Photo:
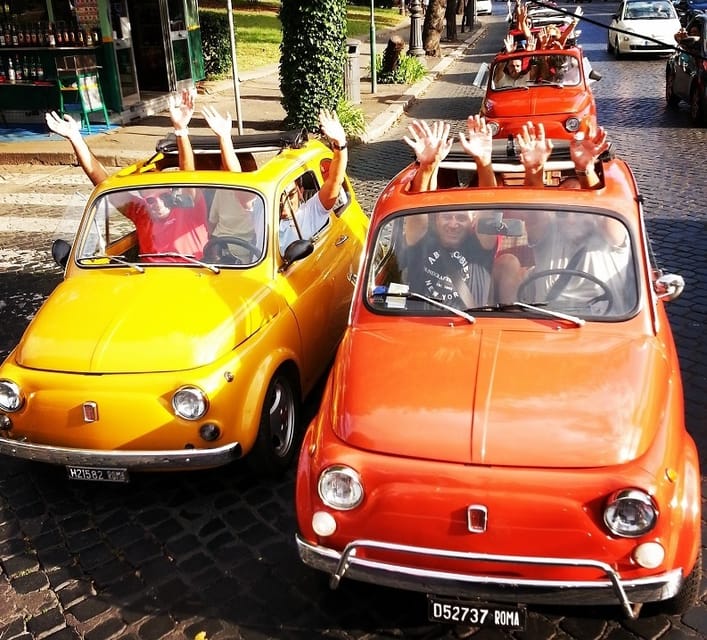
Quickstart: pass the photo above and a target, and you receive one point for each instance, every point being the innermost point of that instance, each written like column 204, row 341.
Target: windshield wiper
column 403, row 291
column 190, row 259
column 118, row 259
column 548, row 312
column 529, row 307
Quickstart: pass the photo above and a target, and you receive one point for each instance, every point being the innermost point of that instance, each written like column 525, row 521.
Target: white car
column 643, row 26
column 483, row 7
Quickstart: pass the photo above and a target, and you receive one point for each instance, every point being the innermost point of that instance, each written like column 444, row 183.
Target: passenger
column 446, row 257
column 300, row 218
column 165, row 222
column 590, row 243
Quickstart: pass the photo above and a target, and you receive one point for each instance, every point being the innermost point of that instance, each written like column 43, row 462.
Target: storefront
column 126, row 55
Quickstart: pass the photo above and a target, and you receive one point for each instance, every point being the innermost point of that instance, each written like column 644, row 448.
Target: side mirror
column 594, row 75
column 480, row 78
column 297, row 250
column 60, row 252
column 668, row 286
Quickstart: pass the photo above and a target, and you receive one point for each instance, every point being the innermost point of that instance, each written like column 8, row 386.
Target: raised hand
column 478, row 141
column 331, row 127
column 431, row 144
column 182, row 112
column 65, row 126
column 220, row 125
column 509, row 43
column 534, row 150
column 586, row 149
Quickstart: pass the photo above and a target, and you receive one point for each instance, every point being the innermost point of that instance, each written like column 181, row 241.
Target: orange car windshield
column 563, row 261
column 541, row 69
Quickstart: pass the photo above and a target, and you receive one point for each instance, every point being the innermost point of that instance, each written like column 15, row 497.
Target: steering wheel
column 217, row 249
column 605, row 295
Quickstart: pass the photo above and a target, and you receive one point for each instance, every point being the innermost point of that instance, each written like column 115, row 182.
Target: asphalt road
column 170, row 555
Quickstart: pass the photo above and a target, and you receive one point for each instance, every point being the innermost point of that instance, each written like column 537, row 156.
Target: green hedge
column 215, row 43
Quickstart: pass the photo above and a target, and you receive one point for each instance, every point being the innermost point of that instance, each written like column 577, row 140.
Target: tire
column 697, row 110
column 276, row 442
column 670, row 96
column 609, row 46
column 617, row 51
column 689, row 592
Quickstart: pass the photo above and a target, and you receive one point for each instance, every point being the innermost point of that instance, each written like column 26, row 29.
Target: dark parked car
column 686, row 71
column 688, row 9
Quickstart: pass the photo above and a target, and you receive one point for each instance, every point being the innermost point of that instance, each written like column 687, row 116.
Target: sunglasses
column 166, row 198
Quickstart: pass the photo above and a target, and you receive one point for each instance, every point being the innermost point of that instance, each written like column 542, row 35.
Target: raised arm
column 334, row 132
column 222, row 127
column 534, row 149
column 70, row 129
column 431, row 145
column 478, row 143
column 181, row 113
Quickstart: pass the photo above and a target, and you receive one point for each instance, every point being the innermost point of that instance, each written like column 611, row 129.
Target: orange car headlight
column 572, row 124
column 190, row 403
column 630, row 513
column 340, row 488
column 11, row 398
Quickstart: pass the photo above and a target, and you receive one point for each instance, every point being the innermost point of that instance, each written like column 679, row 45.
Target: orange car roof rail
column 505, row 157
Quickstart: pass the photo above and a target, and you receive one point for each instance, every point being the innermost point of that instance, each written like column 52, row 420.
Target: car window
column 573, row 262
column 658, row 10
column 302, row 215
column 174, row 224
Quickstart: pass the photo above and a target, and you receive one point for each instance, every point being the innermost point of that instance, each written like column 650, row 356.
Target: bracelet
column 337, row 146
column 181, row 132
column 583, row 172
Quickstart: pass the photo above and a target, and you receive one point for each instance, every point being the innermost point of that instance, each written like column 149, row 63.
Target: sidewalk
column 260, row 109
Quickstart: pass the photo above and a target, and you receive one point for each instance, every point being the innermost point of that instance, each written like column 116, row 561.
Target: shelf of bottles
column 24, row 47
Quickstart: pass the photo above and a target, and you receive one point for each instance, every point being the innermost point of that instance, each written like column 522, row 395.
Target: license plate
column 97, row 474
column 476, row 614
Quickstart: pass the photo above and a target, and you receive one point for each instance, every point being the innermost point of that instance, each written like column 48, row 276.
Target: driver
column 238, row 214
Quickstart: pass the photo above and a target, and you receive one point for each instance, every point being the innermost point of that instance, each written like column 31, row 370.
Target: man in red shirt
column 166, row 220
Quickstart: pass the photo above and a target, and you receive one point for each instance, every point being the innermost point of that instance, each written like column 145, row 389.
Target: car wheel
column 279, row 422
column 609, row 46
column 689, row 592
column 670, row 96
column 617, row 50
column 697, row 114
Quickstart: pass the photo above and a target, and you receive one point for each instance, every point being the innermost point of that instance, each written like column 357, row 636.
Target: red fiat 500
column 495, row 455
column 548, row 86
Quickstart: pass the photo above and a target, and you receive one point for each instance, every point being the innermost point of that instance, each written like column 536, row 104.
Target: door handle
column 340, row 240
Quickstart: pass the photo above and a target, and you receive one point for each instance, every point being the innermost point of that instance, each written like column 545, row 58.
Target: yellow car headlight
column 190, row 403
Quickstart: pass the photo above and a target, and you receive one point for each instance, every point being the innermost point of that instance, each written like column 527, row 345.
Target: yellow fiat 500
column 196, row 313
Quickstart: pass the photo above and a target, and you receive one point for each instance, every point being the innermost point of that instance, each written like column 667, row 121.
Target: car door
column 318, row 287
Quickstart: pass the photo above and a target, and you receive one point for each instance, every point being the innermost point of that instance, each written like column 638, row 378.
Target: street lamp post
column 373, row 48
column 416, row 29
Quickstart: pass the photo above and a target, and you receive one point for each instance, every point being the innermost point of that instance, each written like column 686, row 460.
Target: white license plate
column 97, row 474
column 476, row 614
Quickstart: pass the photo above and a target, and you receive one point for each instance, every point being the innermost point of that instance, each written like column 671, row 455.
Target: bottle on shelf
column 18, row 70
column 3, row 75
column 2, row 35
column 89, row 38
column 26, row 75
column 15, row 37
column 80, row 37
column 8, row 35
column 33, row 70
column 59, row 35
column 11, row 76
column 40, row 69
column 50, row 39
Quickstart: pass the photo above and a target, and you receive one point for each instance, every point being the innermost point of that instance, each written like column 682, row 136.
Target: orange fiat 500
column 548, row 86
column 495, row 455
column 186, row 350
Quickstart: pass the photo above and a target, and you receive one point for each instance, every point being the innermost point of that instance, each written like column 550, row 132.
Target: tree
column 432, row 26
column 312, row 58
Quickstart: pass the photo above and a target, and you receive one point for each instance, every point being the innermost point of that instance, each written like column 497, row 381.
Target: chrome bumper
column 630, row 594
column 158, row 460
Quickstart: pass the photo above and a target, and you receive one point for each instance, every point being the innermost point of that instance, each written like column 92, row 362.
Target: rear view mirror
column 499, row 226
